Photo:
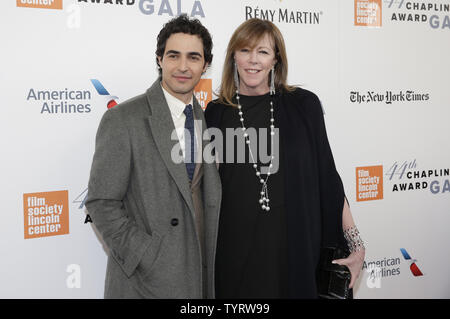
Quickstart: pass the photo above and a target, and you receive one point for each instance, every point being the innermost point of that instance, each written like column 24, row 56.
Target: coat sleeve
column 108, row 184
column 331, row 188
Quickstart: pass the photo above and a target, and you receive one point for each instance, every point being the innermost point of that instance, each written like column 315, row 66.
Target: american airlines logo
column 109, row 99
column 412, row 263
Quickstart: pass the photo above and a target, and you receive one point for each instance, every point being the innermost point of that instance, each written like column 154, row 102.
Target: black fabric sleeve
column 331, row 188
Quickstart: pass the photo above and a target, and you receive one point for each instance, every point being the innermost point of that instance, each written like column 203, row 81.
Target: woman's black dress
column 258, row 269
column 275, row 254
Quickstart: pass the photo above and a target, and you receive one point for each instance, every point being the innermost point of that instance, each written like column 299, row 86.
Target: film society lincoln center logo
column 46, row 214
column 369, row 183
column 368, row 13
column 41, row 4
column 203, row 92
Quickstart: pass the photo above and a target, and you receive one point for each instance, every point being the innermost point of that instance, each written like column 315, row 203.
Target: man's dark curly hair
column 182, row 24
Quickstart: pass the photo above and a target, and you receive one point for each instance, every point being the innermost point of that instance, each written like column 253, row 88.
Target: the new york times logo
column 388, row 97
column 436, row 15
column 162, row 7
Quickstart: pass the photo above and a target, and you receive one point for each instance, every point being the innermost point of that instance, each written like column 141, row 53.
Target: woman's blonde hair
column 248, row 34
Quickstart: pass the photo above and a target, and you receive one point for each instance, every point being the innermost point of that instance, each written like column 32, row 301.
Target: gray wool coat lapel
column 162, row 126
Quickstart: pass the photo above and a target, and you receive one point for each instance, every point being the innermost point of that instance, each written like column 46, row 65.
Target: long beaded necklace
column 264, row 194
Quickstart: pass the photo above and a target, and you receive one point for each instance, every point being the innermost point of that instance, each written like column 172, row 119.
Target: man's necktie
column 189, row 150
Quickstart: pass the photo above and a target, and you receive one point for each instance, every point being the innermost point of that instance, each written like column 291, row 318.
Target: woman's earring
column 236, row 77
column 272, row 80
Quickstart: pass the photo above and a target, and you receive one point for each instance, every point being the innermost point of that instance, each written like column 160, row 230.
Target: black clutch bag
column 333, row 280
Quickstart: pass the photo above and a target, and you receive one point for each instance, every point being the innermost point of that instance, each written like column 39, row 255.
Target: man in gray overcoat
column 157, row 214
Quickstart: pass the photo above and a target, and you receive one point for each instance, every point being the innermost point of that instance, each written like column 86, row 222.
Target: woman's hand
column 354, row 262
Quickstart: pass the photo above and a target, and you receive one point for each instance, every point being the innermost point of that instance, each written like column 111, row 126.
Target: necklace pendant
column 264, row 199
column 264, row 202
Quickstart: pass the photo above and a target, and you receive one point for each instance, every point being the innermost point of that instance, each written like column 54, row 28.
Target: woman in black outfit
column 282, row 198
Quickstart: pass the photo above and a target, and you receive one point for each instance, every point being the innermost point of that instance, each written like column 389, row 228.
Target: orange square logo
column 46, row 214
column 42, row 4
column 369, row 183
column 203, row 92
column 368, row 13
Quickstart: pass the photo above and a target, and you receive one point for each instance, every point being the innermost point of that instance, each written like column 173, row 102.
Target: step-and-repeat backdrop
column 380, row 67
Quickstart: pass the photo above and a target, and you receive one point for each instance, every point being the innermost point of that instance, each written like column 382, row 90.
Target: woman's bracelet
column 354, row 241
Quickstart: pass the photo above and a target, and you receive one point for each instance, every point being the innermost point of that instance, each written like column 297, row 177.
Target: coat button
column 174, row 221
